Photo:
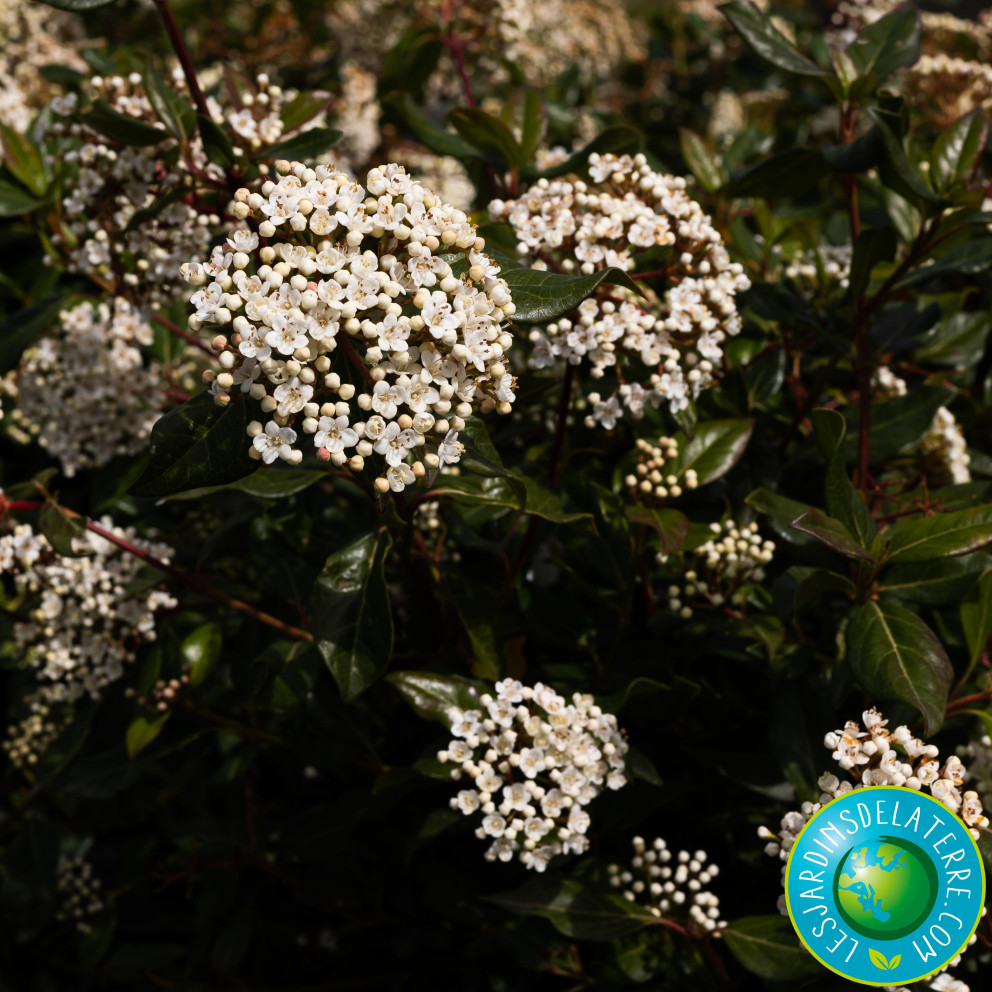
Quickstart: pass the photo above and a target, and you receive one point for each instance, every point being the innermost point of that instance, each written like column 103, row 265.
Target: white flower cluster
column 79, row 892
column 878, row 756
column 32, row 735
column 324, row 318
column 943, row 452
column 670, row 883
column 86, row 392
column 673, row 342
column 536, row 761
column 649, row 484
column 722, row 568
column 83, row 625
column 356, row 116
column 945, row 88
column 30, row 37
column 99, row 233
column 819, row 268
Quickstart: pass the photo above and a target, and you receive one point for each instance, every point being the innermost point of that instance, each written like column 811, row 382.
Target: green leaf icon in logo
column 894, row 963
column 879, row 960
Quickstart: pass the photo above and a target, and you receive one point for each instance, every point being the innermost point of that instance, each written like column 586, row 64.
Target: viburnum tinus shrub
column 454, row 567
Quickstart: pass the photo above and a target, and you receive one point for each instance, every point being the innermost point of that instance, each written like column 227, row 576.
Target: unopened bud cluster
column 86, row 392
column 722, row 569
column 665, row 348
column 670, row 884
column 878, row 756
column 164, row 694
column 83, row 625
column 430, row 524
column 380, row 298
column 79, row 893
column 653, row 482
column 823, row 267
column 534, row 761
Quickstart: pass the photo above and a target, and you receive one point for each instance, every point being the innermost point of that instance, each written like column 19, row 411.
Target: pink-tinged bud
column 312, row 285
column 219, row 343
column 323, row 454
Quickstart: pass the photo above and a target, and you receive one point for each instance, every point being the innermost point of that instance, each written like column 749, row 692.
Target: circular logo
column 885, row 885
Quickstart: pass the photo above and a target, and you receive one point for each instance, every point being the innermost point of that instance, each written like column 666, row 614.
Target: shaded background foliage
column 286, row 824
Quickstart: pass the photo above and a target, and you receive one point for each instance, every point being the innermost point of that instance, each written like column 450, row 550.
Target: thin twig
column 182, row 53
column 175, row 329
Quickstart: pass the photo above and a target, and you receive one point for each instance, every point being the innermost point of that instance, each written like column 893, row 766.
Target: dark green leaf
column 121, row 128
column 899, row 424
column 23, row 160
column 890, row 43
column 540, row 296
column 143, row 730
column 877, row 244
column 769, row 947
column 700, row 161
column 216, row 142
column 844, row 502
column 957, row 149
column 968, row 259
column 781, row 511
column 436, row 138
column 197, row 444
column 957, row 341
column 431, row 695
column 831, row 532
column 766, row 40
column 788, row 173
column 200, row 652
column 813, row 587
column 307, row 146
column 60, row 529
column 895, row 655
column 266, row 483
column 302, row 108
column 933, row 583
column 976, row 617
column 899, row 174
column 489, row 136
column 175, row 111
column 941, row 535
column 574, row 909
column 15, row 201
column 351, row 615
column 534, row 124
column 671, row 526
column 20, row 331
column 715, row 448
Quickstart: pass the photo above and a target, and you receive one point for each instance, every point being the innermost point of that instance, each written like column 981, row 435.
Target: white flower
column 450, row 450
column 334, row 434
column 275, row 442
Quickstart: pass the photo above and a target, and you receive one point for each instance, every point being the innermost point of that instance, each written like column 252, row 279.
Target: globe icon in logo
column 885, row 887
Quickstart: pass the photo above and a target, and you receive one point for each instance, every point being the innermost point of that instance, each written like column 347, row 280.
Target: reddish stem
column 192, row 581
column 180, row 333
column 182, row 53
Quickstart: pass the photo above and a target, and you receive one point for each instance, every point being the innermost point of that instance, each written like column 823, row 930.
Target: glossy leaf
column 491, row 139
column 671, row 526
column 534, row 123
column 575, row 909
column 307, row 146
column 23, row 160
column 967, row 259
column 540, row 296
column 957, row 150
column 976, row 618
column 436, row 138
column 899, row 424
column 769, row 947
column 15, row 201
column 302, row 108
column 895, row 655
column 200, row 652
column 700, row 161
column 216, row 142
column 197, row 444
column 781, row 511
column 941, row 535
column 890, row 43
column 830, row 532
column 432, row 695
column 143, row 730
column 757, row 29
column 900, row 174
column 788, row 173
column 175, row 111
column 121, row 128
column 60, row 529
column 715, row 448
column 844, row 502
column 351, row 614
column 933, row 583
